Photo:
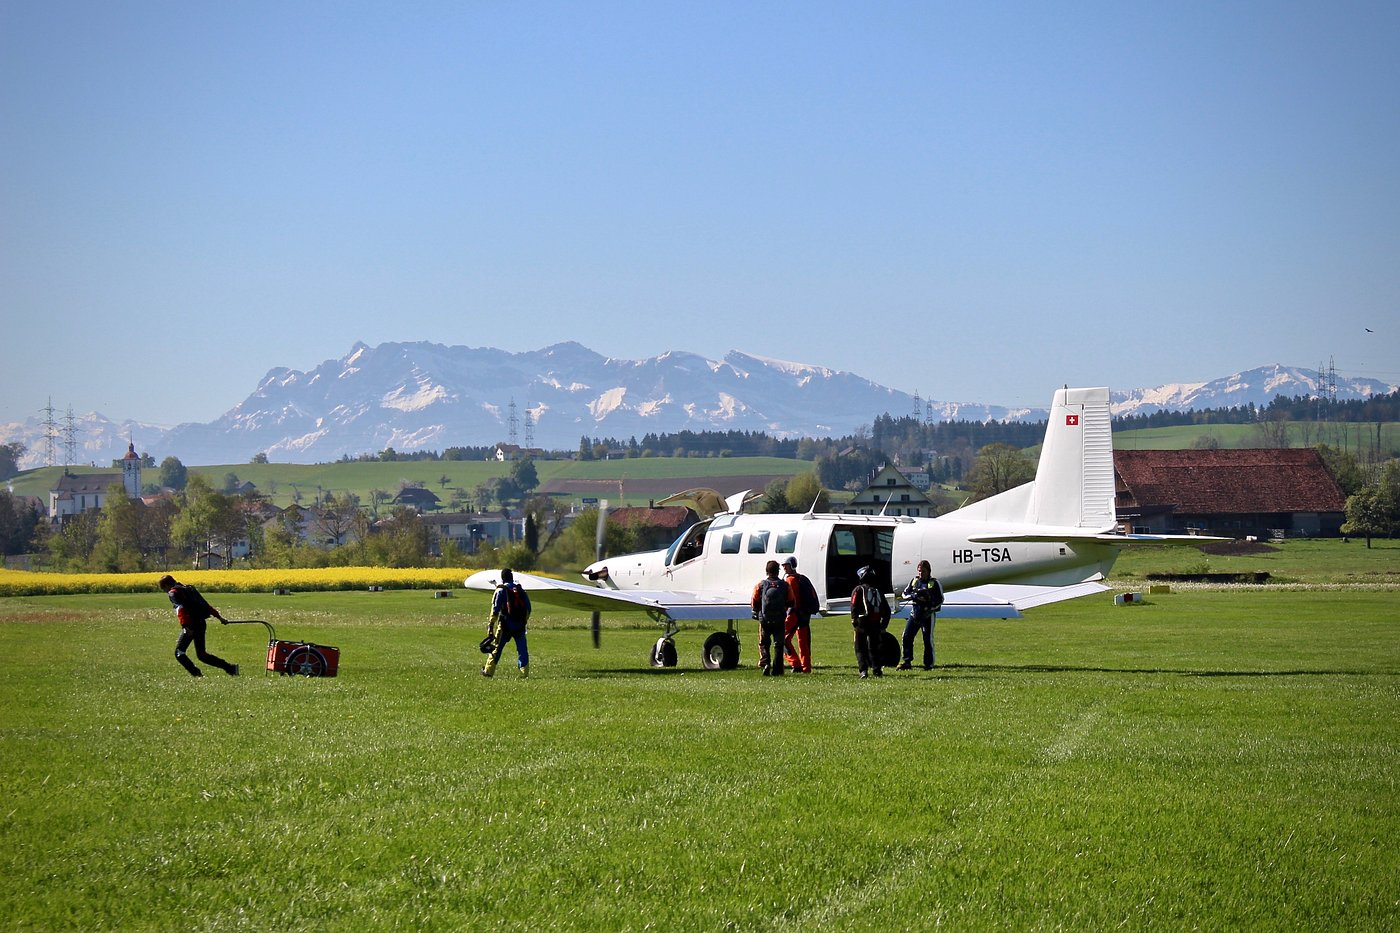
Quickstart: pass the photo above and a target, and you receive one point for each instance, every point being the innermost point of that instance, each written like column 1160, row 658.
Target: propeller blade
column 597, row 624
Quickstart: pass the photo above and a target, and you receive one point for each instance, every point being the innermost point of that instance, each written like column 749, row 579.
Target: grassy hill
column 1347, row 436
column 640, row 478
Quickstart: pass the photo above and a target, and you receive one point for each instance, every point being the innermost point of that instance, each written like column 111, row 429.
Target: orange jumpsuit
column 799, row 623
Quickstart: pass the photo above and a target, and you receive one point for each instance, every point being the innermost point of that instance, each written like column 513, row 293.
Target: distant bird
column 1368, row 330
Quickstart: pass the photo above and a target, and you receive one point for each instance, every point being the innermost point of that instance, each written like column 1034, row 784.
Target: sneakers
column 864, row 675
column 904, row 666
column 525, row 671
column 879, row 672
column 233, row 672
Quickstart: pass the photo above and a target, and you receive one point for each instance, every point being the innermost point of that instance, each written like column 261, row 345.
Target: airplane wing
column 1004, row 600
column 659, row 604
column 989, row 601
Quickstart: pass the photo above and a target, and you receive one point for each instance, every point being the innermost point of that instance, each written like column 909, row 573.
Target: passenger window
column 729, row 544
column 845, row 542
column 758, row 542
column 787, row 542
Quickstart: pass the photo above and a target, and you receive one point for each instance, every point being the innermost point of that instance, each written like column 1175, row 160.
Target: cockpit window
column 729, row 544
column 758, row 542
column 787, row 542
column 688, row 546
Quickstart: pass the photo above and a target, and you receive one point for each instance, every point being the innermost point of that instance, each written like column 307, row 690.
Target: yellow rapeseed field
column 24, row 583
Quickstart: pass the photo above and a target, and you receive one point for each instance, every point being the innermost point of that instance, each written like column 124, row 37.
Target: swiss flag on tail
column 1072, row 420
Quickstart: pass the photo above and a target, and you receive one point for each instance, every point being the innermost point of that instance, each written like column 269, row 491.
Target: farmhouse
column 417, row 497
column 890, row 493
column 1264, row 492
column 506, row 452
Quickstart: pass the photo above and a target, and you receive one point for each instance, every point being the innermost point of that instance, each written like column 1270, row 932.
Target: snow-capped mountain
column 414, row 396
column 97, row 440
column 1258, row 386
column 422, row 395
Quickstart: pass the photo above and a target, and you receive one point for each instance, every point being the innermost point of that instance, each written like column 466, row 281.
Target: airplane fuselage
column 727, row 555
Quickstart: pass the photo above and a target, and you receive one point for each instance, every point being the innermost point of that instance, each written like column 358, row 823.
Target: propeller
column 598, row 555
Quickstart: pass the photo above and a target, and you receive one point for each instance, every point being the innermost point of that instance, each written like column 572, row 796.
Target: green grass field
column 1210, row 759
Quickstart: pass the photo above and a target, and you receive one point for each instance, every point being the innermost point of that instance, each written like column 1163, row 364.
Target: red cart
column 296, row 657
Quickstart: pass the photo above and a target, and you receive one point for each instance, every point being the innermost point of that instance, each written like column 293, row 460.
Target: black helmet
column 865, row 573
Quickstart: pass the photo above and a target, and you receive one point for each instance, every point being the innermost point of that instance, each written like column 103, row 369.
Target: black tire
column 889, row 650
column 721, row 652
column 663, row 653
column 306, row 662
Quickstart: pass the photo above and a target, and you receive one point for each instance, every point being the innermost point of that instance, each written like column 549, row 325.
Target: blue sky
column 978, row 202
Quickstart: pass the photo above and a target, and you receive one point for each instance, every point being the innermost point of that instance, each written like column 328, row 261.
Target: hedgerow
column 24, row 583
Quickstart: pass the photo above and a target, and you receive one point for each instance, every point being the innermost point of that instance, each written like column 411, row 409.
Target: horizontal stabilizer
column 1071, row 537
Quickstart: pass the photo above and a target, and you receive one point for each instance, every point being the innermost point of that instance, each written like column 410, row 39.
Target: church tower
column 131, row 471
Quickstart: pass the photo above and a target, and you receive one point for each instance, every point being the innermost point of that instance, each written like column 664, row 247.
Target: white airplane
column 1051, row 539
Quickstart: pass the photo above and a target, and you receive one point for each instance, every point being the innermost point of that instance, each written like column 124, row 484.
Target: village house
column 890, row 493
column 506, row 452
column 1271, row 492
column 418, row 497
column 471, row 531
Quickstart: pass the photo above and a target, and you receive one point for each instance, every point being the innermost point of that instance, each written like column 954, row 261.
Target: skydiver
column 193, row 611
column 927, row 596
column 870, row 615
column 804, row 603
column 770, row 608
column 510, row 610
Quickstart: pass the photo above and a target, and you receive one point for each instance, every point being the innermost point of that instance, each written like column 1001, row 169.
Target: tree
column 72, row 546
column 585, row 448
column 10, row 455
column 804, row 491
column 774, row 498
column 118, row 545
column 524, row 477
column 999, row 467
column 336, row 518
column 1343, row 466
column 231, row 483
column 259, row 458
column 1374, row 511
column 173, row 474
column 17, row 524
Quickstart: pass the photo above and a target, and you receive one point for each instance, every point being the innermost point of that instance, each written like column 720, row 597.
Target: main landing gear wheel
column 306, row 662
column 663, row 653
column 889, row 650
column 721, row 652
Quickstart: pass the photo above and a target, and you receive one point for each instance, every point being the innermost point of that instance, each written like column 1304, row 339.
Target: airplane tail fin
column 1074, row 480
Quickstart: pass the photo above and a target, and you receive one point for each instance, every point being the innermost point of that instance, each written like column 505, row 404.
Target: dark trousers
column 912, row 628
column 522, row 651
column 770, row 646
column 194, row 632
column 868, row 648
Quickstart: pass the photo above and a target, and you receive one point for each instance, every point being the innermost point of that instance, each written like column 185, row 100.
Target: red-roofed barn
column 1228, row 492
